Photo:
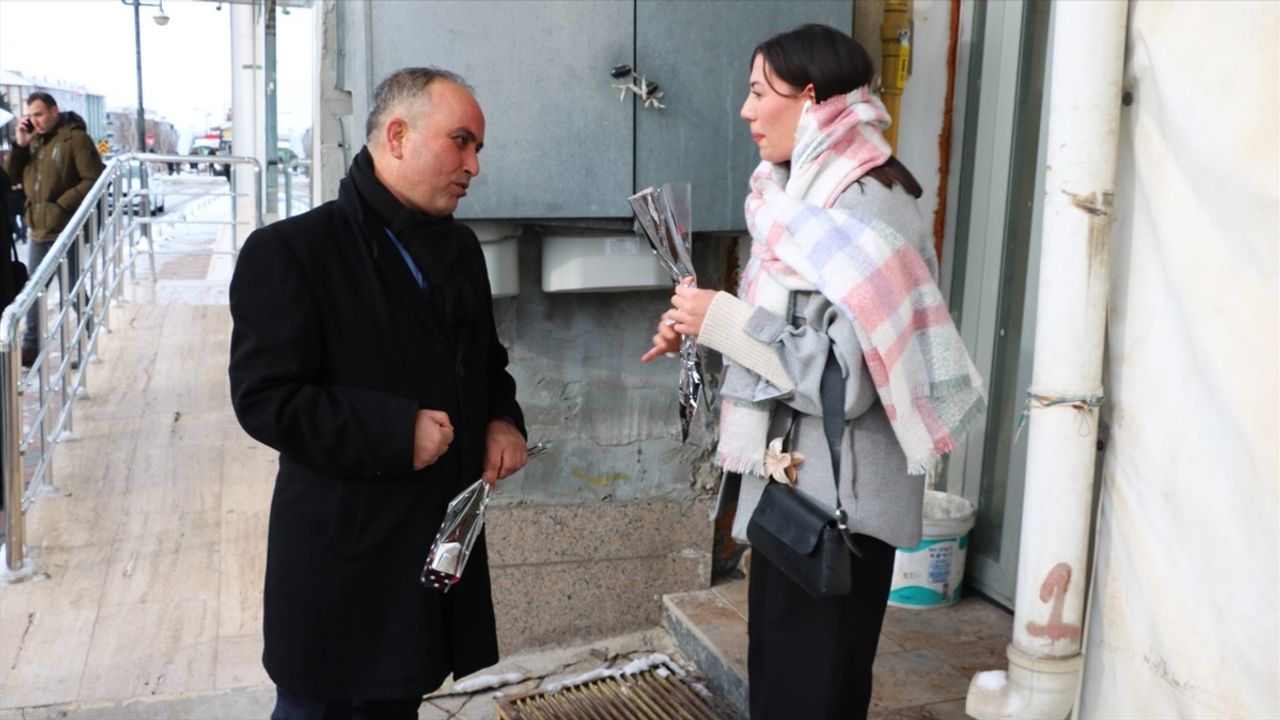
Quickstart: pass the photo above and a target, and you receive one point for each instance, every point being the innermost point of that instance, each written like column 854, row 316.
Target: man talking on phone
column 58, row 164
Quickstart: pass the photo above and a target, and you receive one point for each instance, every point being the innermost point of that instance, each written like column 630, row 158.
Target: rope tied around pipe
column 1081, row 403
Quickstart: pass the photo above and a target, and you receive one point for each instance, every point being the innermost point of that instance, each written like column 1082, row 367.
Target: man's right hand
column 22, row 136
column 432, row 433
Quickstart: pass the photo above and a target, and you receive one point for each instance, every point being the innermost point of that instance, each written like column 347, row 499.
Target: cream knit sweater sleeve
column 724, row 330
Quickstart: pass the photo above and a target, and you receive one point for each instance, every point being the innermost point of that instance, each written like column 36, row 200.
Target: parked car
column 130, row 189
column 206, row 147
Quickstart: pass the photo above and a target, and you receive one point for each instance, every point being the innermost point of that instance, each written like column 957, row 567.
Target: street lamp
column 161, row 20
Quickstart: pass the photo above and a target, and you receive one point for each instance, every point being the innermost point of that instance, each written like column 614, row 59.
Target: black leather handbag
column 18, row 268
column 803, row 539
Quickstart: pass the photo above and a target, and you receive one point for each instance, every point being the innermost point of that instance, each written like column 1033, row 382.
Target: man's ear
column 394, row 135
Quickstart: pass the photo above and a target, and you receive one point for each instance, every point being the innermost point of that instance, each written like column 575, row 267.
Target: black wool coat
column 333, row 351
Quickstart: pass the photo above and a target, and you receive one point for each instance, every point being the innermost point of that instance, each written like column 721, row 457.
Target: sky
column 186, row 64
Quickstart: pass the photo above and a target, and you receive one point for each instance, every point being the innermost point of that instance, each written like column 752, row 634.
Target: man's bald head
column 401, row 88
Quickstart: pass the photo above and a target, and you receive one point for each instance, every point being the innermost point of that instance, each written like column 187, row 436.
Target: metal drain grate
column 659, row 693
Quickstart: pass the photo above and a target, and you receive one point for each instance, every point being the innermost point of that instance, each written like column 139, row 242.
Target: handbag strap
column 831, row 395
column 831, row 391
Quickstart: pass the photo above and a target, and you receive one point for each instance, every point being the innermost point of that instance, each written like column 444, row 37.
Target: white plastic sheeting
column 1183, row 618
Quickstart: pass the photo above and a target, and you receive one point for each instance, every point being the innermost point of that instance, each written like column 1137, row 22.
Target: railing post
column 258, row 195
column 42, row 372
column 65, row 295
column 235, row 204
column 124, row 238
column 288, row 191
column 97, row 269
column 145, row 219
column 82, row 286
column 144, row 204
column 17, row 567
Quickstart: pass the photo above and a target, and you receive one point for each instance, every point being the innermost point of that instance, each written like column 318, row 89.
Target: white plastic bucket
column 929, row 575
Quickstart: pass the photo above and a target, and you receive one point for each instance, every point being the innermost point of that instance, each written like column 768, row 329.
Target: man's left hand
column 504, row 451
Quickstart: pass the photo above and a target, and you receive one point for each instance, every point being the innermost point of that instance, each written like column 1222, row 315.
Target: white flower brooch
column 781, row 466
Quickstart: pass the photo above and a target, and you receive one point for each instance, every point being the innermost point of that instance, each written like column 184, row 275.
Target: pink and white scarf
column 926, row 381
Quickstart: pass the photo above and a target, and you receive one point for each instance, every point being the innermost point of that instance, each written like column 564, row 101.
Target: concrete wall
column 587, row 538
column 566, row 573
column 329, row 150
column 575, row 357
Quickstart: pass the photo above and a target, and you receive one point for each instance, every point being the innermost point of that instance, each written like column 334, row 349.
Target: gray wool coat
column 881, row 499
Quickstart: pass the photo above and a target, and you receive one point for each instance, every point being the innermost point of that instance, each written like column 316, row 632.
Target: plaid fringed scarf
column 927, row 384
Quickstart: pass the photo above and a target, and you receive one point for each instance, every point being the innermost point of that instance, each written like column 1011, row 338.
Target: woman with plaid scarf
column 842, row 270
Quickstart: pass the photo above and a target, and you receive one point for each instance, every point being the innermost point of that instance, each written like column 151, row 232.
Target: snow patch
column 639, row 665
column 991, row 680
column 658, row 662
column 597, row 674
column 486, row 682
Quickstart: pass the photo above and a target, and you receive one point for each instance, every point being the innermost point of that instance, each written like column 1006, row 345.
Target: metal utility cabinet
column 559, row 144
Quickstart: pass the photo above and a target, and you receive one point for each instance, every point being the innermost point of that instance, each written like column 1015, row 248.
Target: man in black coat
column 8, row 289
column 364, row 351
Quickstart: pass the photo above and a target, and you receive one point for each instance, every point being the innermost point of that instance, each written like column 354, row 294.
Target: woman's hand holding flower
column 688, row 309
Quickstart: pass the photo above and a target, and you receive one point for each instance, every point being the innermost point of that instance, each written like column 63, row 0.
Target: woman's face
column 773, row 111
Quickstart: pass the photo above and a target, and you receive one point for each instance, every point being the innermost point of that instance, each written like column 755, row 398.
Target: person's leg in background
column 36, row 252
column 73, row 274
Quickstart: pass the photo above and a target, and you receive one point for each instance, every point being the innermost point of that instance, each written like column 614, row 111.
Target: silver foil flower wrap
column 463, row 520
column 665, row 215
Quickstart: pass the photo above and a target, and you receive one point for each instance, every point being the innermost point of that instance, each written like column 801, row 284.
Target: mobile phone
column 27, row 125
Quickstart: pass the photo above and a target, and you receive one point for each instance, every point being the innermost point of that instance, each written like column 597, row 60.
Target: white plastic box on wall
column 500, row 243
column 588, row 262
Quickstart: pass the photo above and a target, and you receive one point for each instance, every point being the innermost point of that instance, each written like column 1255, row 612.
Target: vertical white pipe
column 1084, row 122
column 260, row 103
column 245, row 126
column 271, row 140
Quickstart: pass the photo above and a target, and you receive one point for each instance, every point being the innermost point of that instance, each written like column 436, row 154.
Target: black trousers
column 810, row 659
column 300, row 707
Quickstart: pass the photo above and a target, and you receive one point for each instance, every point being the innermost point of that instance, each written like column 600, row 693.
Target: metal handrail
column 103, row 242
column 287, row 171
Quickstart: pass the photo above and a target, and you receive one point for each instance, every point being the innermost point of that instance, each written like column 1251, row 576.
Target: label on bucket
column 940, row 563
column 929, row 575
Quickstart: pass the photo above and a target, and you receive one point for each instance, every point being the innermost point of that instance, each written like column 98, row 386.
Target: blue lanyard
column 413, row 267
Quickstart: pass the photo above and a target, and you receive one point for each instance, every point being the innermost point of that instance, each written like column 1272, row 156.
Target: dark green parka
column 57, row 170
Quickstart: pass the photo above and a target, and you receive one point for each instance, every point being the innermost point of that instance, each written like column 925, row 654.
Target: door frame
column 981, row 187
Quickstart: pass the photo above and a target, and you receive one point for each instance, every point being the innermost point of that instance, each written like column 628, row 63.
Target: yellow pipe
column 895, row 48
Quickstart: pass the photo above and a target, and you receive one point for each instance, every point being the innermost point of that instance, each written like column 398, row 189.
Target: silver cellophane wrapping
column 463, row 520
column 664, row 215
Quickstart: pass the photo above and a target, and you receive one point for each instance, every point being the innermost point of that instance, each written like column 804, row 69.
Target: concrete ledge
column 571, row 573
column 710, row 628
